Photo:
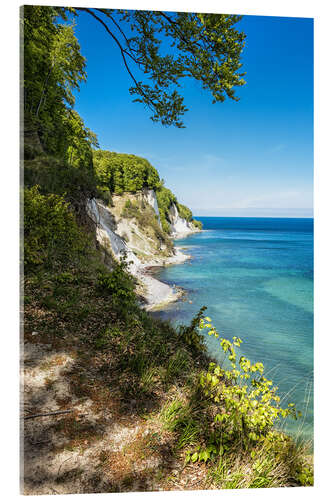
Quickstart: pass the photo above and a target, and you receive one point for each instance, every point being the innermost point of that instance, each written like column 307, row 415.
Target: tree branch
column 105, row 11
column 180, row 34
column 122, row 50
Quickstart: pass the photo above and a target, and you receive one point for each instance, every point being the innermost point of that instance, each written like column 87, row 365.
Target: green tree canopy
column 121, row 172
column 53, row 69
column 159, row 49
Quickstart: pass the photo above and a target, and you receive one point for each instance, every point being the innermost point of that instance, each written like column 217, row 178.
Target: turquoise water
column 255, row 275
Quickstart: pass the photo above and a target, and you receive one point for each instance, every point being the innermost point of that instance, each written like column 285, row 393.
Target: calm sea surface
column 255, row 275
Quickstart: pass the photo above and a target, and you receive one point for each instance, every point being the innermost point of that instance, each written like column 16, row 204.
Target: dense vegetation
column 218, row 419
column 121, row 173
column 118, row 173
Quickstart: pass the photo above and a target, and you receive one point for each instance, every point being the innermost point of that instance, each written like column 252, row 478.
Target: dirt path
column 95, row 448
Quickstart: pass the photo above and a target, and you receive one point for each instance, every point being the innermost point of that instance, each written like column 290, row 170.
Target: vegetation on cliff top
column 118, row 173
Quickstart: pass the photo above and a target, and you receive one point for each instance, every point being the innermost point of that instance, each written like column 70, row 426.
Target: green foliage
column 247, row 406
column 51, row 233
column 191, row 335
column 65, row 278
column 197, row 224
column 54, row 176
column 162, row 48
column 177, row 364
column 165, row 198
column 102, row 341
column 124, row 173
column 119, row 284
column 57, row 145
column 53, row 69
column 173, row 414
column 305, row 476
column 184, row 212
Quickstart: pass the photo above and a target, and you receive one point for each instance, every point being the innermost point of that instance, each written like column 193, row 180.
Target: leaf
column 194, row 457
column 204, row 455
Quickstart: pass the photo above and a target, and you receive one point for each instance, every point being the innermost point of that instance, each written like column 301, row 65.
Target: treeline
column 118, row 173
column 53, row 69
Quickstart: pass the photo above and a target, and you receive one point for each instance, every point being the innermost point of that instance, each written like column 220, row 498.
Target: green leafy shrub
column 246, row 406
column 165, row 198
column 184, row 212
column 75, row 184
column 305, row 476
column 51, row 233
column 102, row 341
column 65, row 278
column 191, row 335
column 197, row 223
column 119, row 284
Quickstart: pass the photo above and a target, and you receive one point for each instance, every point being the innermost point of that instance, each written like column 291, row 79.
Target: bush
column 197, row 224
column 191, row 336
column 75, row 184
column 184, row 212
column 245, row 405
column 121, row 173
column 119, row 284
column 51, row 233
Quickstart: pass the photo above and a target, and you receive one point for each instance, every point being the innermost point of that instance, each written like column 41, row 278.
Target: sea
column 255, row 276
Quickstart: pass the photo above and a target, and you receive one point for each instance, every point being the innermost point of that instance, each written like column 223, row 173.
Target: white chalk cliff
column 180, row 227
column 120, row 235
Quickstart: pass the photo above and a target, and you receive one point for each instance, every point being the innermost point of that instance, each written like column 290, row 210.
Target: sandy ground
column 94, row 448
column 156, row 293
column 52, row 463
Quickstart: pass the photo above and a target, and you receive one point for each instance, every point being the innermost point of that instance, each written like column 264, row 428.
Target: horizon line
column 257, row 216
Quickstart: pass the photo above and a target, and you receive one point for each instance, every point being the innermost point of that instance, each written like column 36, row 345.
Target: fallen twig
column 48, row 414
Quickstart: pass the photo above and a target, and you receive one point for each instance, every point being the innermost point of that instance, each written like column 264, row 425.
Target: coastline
column 155, row 293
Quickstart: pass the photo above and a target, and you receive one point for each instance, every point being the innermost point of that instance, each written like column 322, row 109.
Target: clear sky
column 253, row 157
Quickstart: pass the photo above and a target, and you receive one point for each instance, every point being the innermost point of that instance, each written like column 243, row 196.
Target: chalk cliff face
column 107, row 236
column 137, row 233
column 141, row 239
column 152, row 201
column 180, row 227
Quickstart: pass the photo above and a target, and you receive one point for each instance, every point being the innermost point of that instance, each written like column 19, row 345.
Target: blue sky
column 253, row 157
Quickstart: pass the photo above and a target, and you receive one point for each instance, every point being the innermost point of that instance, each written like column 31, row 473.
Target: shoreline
column 155, row 293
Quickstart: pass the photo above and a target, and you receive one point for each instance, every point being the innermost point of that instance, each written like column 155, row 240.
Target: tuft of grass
column 265, row 467
column 177, row 365
column 189, row 435
column 173, row 414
